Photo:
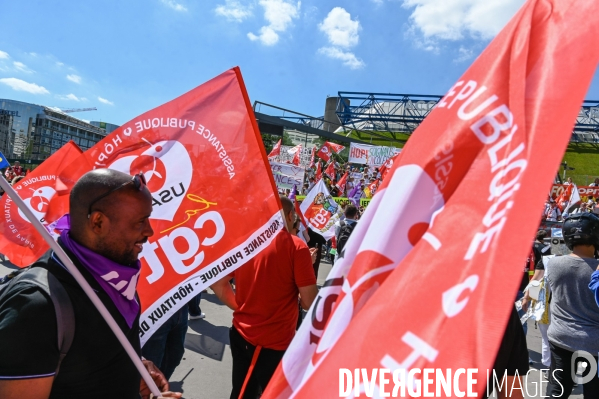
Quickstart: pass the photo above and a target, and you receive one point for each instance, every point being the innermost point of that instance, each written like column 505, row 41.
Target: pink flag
column 420, row 268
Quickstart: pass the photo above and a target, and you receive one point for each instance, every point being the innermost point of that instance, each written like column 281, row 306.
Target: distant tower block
column 331, row 120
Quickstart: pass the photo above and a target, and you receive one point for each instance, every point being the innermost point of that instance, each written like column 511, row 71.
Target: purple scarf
column 118, row 281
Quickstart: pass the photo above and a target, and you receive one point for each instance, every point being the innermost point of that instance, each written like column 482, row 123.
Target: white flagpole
column 68, row 263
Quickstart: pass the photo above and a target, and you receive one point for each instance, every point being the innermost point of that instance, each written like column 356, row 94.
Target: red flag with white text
column 19, row 240
column 407, row 287
column 276, row 150
column 312, row 157
column 296, row 156
column 330, row 171
column 327, row 149
column 341, row 183
column 207, row 170
column 318, row 173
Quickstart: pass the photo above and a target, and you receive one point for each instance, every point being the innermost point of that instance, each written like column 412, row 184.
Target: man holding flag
column 109, row 224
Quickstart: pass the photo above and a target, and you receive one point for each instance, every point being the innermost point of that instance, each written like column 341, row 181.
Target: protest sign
column 207, row 170
column 19, row 240
column 286, row 175
column 481, row 158
column 370, row 155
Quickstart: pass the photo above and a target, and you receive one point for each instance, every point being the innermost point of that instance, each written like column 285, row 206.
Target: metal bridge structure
column 362, row 117
column 403, row 113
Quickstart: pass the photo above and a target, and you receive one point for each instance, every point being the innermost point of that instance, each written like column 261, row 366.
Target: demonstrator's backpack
column 344, row 233
column 53, row 289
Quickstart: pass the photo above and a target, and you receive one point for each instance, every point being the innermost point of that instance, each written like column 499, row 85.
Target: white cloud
column 280, row 15
column 232, row 10
column 341, row 30
column 59, row 64
column 69, row 97
column 21, row 67
column 174, row 5
column 21, row 85
column 464, row 54
column 4, row 55
column 349, row 59
column 105, row 101
column 455, row 19
column 342, row 34
column 74, row 78
column 33, row 54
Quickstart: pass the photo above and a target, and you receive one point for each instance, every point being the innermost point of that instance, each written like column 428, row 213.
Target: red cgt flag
column 330, row 171
column 206, row 168
column 318, row 174
column 327, row 149
column 276, row 150
column 296, row 156
column 19, row 240
column 341, row 184
column 479, row 165
column 312, row 157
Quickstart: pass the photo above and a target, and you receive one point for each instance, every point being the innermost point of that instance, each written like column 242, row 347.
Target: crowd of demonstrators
column 13, row 174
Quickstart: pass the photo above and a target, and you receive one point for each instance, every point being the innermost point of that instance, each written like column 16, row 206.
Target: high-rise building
column 31, row 131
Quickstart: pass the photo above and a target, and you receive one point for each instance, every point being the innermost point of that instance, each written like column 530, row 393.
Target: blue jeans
column 166, row 347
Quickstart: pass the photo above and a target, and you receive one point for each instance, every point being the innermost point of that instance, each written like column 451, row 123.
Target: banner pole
column 68, row 263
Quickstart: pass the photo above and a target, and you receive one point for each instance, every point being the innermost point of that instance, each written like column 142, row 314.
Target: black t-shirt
column 536, row 253
column 96, row 365
column 513, row 352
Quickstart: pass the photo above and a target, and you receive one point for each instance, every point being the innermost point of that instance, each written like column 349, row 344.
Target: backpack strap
column 63, row 307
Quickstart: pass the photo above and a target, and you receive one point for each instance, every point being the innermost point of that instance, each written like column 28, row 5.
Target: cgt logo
column 168, row 171
column 38, row 202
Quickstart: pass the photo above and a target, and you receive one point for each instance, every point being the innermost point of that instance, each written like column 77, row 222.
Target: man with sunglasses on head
column 109, row 223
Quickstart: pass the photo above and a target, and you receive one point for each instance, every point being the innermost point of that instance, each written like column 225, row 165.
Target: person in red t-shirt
column 265, row 306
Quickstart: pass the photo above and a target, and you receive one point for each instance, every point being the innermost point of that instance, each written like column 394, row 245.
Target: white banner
column 370, row 154
column 287, row 175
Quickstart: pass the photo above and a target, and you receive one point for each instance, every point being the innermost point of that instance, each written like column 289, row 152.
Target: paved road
column 205, row 371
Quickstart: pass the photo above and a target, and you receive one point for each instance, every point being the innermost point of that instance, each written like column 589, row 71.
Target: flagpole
column 68, row 263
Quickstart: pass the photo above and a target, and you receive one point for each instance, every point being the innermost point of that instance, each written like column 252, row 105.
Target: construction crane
column 71, row 110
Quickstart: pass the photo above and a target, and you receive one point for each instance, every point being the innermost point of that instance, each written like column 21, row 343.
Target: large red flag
column 420, row 268
column 341, row 184
column 312, row 157
column 19, row 240
column 207, row 170
column 563, row 199
column 297, row 155
column 327, row 149
column 276, row 150
column 318, row 174
column 330, row 171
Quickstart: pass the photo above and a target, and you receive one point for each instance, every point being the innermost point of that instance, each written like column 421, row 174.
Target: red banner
column 19, row 240
column 207, row 170
column 420, row 268
column 584, row 191
column 330, row 171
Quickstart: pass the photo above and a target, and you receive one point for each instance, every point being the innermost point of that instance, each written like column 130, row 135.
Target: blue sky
column 126, row 57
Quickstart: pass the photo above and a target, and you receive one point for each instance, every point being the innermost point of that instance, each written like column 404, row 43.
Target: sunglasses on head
column 138, row 181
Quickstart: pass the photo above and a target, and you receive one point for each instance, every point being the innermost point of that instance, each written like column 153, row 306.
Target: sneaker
column 197, row 317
